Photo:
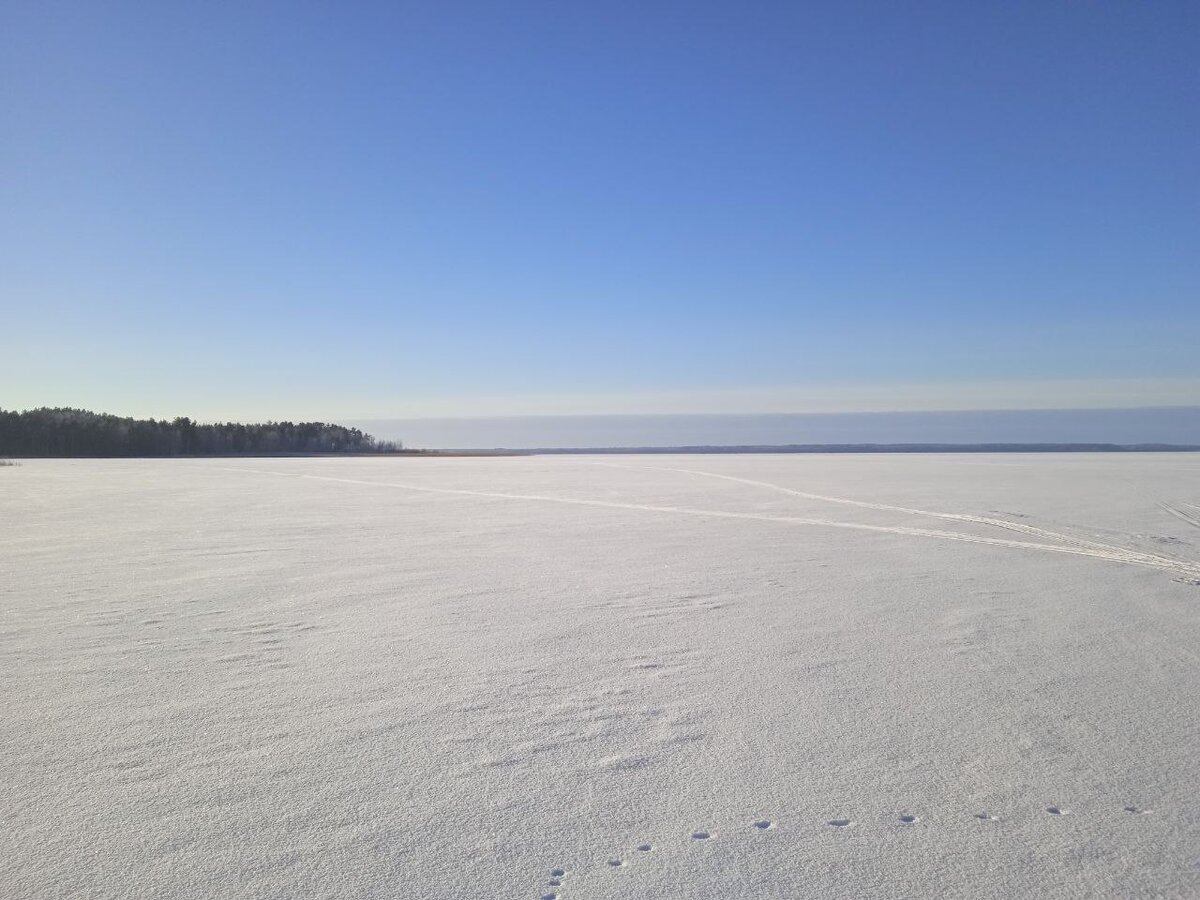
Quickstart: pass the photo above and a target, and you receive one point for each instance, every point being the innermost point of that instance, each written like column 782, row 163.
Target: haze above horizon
column 378, row 210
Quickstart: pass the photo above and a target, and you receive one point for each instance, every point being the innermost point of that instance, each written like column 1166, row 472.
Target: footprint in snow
column 904, row 818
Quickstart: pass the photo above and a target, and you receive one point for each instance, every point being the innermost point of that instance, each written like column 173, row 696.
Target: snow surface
column 684, row 677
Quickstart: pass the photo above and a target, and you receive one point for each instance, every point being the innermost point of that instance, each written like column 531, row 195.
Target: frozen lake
column 786, row 676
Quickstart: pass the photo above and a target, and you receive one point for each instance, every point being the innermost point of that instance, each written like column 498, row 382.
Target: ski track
column 1180, row 514
column 1076, row 548
column 1031, row 530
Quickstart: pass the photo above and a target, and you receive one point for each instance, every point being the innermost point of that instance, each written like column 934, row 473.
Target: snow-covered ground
column 683, row 677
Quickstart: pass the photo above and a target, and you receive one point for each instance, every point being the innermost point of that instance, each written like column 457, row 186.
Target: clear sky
column 354, row 209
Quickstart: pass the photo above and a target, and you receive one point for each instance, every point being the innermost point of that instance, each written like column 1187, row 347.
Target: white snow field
column 656, row 676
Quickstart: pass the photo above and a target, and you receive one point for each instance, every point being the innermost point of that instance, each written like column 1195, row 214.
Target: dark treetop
column 78, row 432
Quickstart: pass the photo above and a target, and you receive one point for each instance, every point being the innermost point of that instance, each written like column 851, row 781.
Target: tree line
column 78, row 432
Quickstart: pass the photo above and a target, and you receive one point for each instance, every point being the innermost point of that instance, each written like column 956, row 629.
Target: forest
column 79, row 432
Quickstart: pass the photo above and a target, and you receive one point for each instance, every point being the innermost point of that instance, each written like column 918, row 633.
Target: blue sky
column 397, row 209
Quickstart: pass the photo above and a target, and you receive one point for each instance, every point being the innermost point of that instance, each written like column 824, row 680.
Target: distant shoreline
column 878, row 448
column 860, row 432
column 378, row 454
column 865, row 449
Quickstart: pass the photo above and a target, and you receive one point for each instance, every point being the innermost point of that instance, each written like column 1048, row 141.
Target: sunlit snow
column 601, row 677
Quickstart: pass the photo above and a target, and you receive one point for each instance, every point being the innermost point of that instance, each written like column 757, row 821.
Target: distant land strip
column 68, row 432
column 879, row 448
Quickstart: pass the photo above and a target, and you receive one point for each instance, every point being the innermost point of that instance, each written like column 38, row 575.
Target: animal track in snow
column 758, row 825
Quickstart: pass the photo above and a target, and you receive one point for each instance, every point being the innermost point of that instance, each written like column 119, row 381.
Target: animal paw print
column 904, row 818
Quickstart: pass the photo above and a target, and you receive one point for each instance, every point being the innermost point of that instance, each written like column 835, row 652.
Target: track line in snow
column 903, row 819
column 1032, row 530
column 1100, row 551
column 1180, row 514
